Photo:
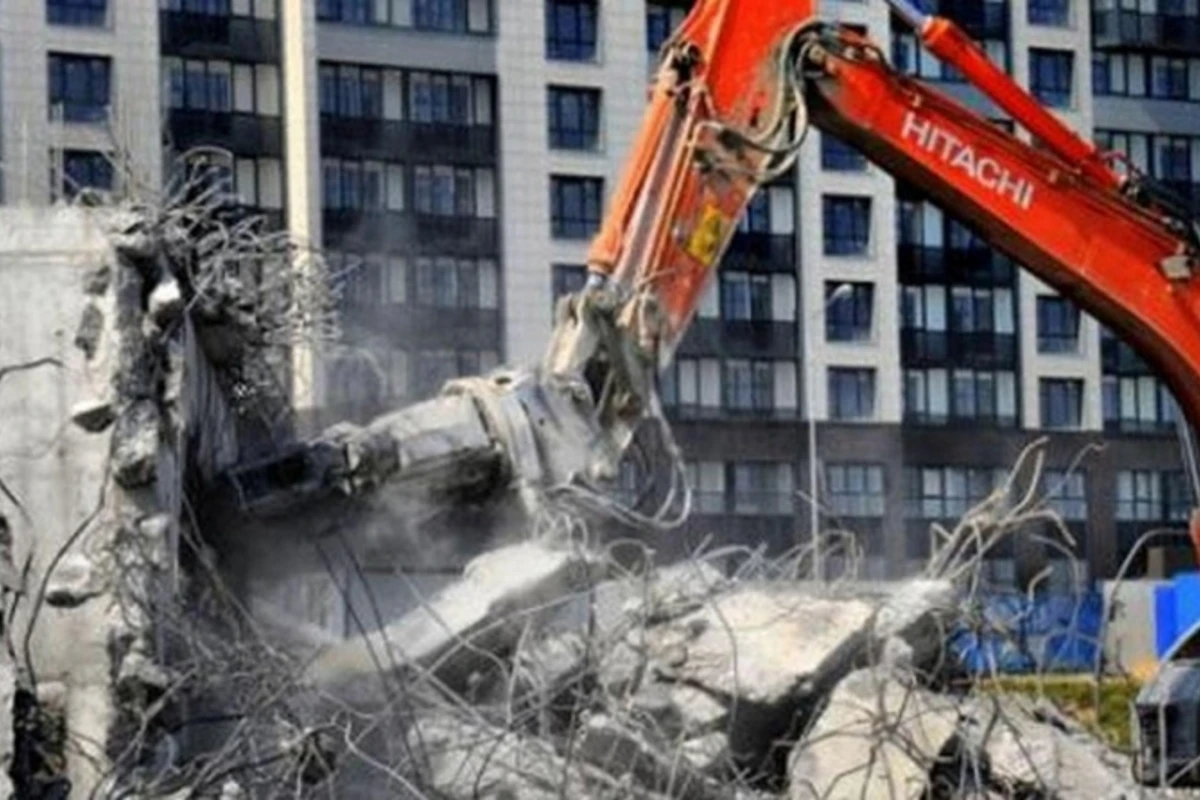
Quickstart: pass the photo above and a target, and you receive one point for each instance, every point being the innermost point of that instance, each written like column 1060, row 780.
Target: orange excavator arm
column 741, row 80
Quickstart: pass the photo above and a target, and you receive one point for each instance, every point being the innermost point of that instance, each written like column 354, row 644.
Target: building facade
column 453, row 157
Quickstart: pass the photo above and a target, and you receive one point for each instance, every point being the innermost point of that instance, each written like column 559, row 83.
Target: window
column 571, row 30
column 447, row 282
column 1061, row 403
column 757, row 216
column 1056, row 13
column 848, row 311
column 661, row 21
column 356, row 12
column 937, row 396
column 749, row 385
column 85, row 169
column 1066, row 494
column 1138, row 403
column 1058, row 325
column 1169, row 78
column 1138, row 75
column 79, row 87
column 745, row 296
column 356, row 185
column 1168, row 158
column 449, row 98
column 948, row 493
column 575, row 206
column 91, row 13
column 574, row 116
column 847, row 223
column 837, row 156
column 1179, row 500
column 761, row 488
column 855, row 490
column 443, row 190
column 351, row 91
column 449, row 16
column 567, row 279
column 435, row 367
column 1139, row 496
column 199, row 85
column 851, row 394
column 1051, row 76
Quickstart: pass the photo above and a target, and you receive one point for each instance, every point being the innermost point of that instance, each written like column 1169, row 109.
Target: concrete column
column 298, row 30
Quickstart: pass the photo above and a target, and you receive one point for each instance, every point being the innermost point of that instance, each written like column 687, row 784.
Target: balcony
column 745, row 338
column 977, row 350
column 242, row 134
column 761, row 252
column 407, row 232
column 193, row 35
column 349, row 137
column 968, row 266
column 1145, row 31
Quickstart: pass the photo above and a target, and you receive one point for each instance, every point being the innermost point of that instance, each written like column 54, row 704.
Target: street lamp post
column 809, row 406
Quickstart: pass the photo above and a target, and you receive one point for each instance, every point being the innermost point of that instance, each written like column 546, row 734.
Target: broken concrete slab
column 878, row 738
column 763, row 650
column 462, row 628
column 761, row 643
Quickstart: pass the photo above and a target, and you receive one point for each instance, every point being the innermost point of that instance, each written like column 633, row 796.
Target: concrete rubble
column 546, row 670
column 683, row 683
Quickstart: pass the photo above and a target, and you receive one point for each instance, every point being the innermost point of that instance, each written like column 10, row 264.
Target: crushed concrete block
column 769, row 649
column 878, row 738
column 97, row 280
column 91, row 328
column 709, row 753
column 166, row 302
column 93, row 416
column 75, row 580
column 699, row 711
column 621, row 750
column 470, row 760
column 458, row 630
column 917, row 615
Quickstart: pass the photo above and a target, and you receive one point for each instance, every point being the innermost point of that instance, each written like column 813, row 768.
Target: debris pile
column 546, row 672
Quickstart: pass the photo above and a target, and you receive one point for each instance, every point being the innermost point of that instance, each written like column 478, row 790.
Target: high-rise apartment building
column 453, row 157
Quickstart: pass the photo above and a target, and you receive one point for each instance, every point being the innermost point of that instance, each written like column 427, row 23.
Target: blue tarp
column 1059, row 632
column 1176, row 610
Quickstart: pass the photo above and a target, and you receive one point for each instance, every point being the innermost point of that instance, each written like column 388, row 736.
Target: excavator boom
column 738, row 87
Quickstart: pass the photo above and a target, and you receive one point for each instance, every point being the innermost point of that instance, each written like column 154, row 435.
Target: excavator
column 739, row 85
